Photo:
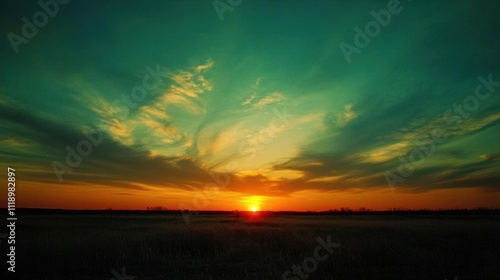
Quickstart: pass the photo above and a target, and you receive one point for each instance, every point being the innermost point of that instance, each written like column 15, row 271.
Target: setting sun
column 252, row 203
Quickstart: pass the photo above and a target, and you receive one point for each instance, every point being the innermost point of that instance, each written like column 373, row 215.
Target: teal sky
column 266, row 95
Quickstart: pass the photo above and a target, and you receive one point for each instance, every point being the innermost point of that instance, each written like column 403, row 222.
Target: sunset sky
column 259, row 109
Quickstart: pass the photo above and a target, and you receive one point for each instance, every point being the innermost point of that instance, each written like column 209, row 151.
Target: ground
column 256, row 246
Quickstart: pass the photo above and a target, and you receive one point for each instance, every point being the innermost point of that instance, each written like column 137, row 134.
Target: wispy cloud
column 253, row 95
column 270, row 99
column 205, row 66
column 250, row 99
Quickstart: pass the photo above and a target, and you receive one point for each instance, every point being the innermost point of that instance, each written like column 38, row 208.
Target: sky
column 274, row 105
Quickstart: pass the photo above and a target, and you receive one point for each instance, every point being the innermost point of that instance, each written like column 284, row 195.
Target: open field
column 162, row 246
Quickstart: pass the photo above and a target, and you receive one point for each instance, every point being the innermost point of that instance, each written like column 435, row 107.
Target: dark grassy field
column 162, row 246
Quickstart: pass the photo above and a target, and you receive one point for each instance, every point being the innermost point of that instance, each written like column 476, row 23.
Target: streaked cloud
column 270, row 99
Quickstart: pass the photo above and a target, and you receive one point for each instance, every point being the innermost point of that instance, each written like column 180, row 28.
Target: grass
column 220, row 247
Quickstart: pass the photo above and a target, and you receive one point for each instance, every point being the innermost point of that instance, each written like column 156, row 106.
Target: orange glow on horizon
column 93, row 197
